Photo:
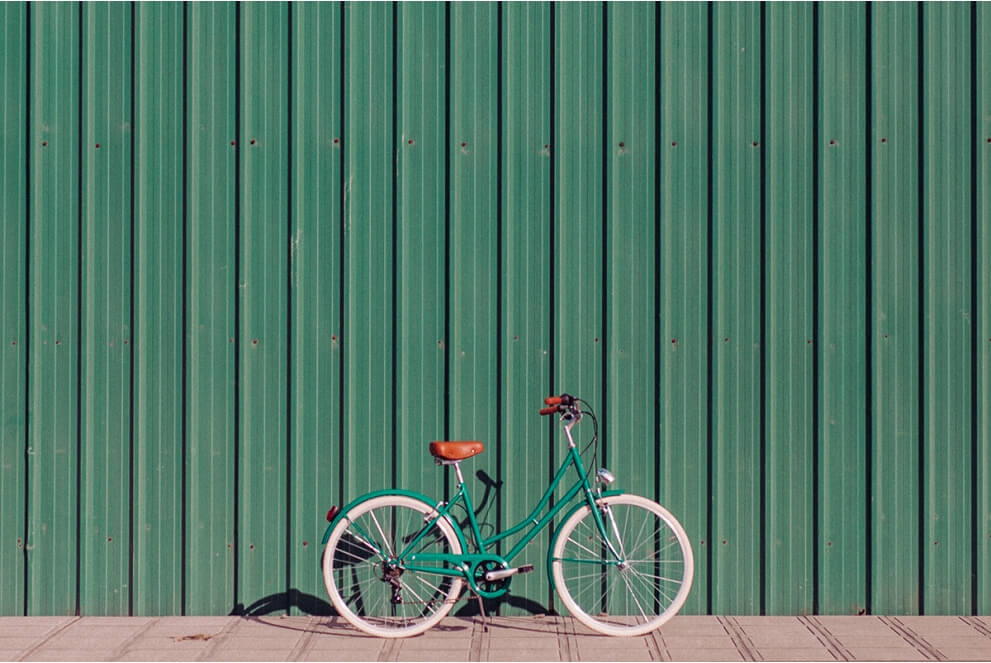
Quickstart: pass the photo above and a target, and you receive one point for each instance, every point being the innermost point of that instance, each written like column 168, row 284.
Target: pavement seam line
column 390, row 650
column 826, row 637
column 919, row 643
column 977, row 625
column 477, row 644
column 218, row 639
column 119, row 652
column 47, row 637
column 571, row 626
column 567, row 649
column 740, row 639
column 659, row 652
column 303, row 644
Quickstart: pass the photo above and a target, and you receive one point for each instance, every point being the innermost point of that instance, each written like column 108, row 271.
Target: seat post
column 457, row 470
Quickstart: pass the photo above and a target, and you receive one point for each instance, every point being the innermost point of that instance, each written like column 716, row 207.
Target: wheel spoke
column 385, row 539
column 650, row 540
column 633, row 594
column 654, row 560
column 585, row 575
column 365, row 543
column 588, row 550
column 649, row 589
column 651, row 575
column 615, row 529
column 361, row 561
column 410, row 589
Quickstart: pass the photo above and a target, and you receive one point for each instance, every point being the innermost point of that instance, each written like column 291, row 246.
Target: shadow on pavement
column 283, row 601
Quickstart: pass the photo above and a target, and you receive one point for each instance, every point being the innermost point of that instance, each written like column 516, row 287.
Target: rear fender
column 434, row 504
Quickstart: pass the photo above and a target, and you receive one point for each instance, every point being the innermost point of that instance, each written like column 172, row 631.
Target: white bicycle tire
column 561, row 583
column 341, row 605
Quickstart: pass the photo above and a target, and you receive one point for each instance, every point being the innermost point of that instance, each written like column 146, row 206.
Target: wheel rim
column 639, row 587
column 370, row 587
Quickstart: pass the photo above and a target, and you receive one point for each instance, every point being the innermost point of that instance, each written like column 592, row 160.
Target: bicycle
column 395, row 561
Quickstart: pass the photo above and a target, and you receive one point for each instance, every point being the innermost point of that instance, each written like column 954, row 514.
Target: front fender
column 557, row 532
column 394, row 491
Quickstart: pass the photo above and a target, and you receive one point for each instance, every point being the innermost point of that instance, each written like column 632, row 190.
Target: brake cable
column 587, row 409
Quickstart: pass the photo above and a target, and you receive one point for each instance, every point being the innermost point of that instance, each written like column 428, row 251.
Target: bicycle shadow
column 283, row 602
column 493, row 607
column 484, row 507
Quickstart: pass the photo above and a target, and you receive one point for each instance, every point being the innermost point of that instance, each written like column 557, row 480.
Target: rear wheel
column 631, row 581
column 371, row 589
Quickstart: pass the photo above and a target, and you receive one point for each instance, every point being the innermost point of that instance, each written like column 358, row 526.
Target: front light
column 605, row 476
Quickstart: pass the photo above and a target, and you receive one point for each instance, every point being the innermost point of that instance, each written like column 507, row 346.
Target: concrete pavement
column 506, row 639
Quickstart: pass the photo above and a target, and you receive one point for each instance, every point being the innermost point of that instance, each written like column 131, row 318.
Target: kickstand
column 481, row 611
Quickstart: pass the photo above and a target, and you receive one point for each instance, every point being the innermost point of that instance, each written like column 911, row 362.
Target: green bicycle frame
column 422, row 562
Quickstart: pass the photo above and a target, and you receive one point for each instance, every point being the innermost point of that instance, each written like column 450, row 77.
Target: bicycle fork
column 598, row 511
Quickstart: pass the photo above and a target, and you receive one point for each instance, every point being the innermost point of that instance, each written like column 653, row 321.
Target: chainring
column 489, row 589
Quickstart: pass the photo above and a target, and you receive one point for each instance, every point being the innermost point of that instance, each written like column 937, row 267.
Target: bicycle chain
column 393, row 578
column 404, row 602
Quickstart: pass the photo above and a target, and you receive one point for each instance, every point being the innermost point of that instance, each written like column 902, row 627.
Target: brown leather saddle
column 452, row 452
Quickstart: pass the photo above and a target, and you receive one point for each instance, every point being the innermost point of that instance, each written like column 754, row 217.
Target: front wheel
column 370, row 585
column 633, row 580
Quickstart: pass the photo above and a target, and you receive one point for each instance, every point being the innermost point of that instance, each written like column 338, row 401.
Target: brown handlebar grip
column 548, row 410
column 552, row 400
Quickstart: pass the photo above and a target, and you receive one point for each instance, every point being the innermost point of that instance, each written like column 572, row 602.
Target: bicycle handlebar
column 557, row 404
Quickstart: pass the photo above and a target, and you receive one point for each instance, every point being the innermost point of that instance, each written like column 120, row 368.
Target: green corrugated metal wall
column 255, row 257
